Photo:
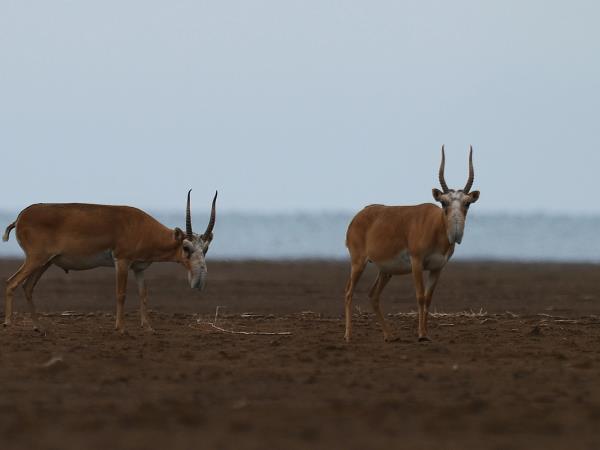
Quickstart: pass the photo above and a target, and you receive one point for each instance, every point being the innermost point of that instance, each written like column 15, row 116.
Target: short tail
column 8, row 230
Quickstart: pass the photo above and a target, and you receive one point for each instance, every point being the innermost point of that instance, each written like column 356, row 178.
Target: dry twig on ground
column 258, row 333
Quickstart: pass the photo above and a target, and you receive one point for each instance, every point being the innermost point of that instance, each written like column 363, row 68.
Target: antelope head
column 455, row 203
column 195, row 246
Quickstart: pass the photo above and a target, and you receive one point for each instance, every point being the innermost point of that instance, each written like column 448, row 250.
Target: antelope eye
column 188, row 249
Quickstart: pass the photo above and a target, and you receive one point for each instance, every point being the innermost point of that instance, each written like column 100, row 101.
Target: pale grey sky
column 293, row 105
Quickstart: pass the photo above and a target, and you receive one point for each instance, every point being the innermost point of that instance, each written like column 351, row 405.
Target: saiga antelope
column 408, row 239
column 77, row 236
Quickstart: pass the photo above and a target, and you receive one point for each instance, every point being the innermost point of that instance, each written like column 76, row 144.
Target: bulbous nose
column 199, row 281
column 456, row 227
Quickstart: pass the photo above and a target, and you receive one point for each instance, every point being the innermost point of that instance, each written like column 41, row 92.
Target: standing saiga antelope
column 78, row 236
column 408, row 239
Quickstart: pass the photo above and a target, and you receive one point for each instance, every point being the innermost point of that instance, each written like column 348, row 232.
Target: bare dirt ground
column 519, row 369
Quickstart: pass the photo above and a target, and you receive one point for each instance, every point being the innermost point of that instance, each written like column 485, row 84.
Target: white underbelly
column 401, row 264
column 80, row 262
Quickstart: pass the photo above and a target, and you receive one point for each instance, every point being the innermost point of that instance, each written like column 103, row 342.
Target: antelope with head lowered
column 408, row 239
column 78, row 236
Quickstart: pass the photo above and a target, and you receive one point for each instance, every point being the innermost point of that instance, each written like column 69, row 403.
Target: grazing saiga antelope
column 408, row 239
column 78, row 236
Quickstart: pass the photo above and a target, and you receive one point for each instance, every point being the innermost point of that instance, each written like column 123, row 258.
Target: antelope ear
column 437, row 194
column 474, row 196
column 178, row 235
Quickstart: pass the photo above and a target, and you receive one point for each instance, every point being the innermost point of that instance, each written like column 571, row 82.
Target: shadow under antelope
column 408, row 239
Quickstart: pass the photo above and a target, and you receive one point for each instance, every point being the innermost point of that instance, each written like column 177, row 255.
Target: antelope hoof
column 145, row 324
column 424, row 339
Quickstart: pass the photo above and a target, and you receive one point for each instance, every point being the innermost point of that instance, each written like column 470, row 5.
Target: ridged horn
column 213, row 215
column 442, row 167
column 469, row 184
column 188, row 219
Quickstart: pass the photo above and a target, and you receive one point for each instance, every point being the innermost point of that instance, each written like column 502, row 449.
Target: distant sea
column 501, row 237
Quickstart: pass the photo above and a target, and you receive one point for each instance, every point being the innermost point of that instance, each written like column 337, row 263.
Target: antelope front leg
column 122, row 269
column 417, row 271
column 432, row 281
column 143, row 294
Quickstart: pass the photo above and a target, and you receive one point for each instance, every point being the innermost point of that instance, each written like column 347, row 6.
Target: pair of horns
column 469, row 184
column 188, row 218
